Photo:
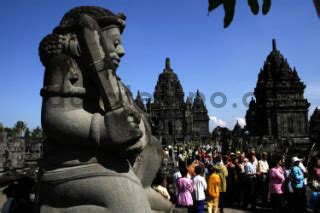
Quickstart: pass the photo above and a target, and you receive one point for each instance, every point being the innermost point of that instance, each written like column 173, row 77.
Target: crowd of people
column 204, row 176
column 20, row 196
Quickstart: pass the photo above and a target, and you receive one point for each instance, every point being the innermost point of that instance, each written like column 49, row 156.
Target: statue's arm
column 64, row 118
column 68, row 115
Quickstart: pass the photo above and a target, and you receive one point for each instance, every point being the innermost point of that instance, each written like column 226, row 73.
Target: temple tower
column 314, row 128
column 280, row 110
column 175, row 120
column 200, row 118
column 139, row 102
column 189, row 117
column 168, row 109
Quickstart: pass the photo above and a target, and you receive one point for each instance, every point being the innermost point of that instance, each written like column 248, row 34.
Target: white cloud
column 241, row 121
column 214, row 122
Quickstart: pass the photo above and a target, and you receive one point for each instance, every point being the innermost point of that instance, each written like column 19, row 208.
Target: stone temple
column 314, row 129
column 174, row 119
column 278, row 117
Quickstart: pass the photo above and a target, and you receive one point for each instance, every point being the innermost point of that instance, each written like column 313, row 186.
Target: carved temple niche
column 178, row 127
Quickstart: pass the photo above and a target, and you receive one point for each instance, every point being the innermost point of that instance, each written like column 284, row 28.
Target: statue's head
column 104, row 17
column 112, row 25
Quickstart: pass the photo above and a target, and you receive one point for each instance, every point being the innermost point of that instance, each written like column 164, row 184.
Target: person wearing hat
column 297, row 181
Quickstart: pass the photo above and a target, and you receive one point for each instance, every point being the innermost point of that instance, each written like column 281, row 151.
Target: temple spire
column 139, row 102
column 274, row 45
column 138, row 95
column 168, row 66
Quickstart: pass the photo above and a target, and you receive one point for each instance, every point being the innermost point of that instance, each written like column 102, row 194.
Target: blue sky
column 203, row 54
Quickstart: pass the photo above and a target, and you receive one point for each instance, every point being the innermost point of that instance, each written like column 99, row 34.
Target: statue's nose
column 120, row 51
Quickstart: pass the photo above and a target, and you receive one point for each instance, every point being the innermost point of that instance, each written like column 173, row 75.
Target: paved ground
column 226, row 210
column 231, row 209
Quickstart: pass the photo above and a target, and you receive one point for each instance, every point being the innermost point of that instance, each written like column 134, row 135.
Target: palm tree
column 27, row 133
column 20, row 127
column 1, row 127
column 317, row 6
column 9, row 131
column 37, row 134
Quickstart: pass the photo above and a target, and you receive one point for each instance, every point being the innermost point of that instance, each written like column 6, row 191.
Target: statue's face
column 114, row 44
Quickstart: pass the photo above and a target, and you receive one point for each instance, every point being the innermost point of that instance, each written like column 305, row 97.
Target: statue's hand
column 122, row 126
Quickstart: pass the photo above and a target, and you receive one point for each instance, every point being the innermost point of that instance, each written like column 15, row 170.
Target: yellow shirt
column 213, row 185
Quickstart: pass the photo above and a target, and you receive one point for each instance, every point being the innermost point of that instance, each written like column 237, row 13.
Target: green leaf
column 254, row 6
column 266, row 6
column 213, row 4
column 317, row 6
column 229, row 6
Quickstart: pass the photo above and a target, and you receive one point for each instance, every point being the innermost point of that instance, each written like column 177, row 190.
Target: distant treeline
column 21, row 129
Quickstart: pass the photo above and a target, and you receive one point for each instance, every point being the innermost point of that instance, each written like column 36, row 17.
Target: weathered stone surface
column 99, row 155
column 12, row 154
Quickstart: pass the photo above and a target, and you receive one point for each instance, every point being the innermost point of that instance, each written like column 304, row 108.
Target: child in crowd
column 200, row 185
column 160, row 185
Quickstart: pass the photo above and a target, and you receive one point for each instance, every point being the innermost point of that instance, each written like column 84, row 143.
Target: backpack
column 293, row 180
column 287, row 185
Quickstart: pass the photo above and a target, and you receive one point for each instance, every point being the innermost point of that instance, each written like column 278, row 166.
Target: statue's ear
column 56, row 44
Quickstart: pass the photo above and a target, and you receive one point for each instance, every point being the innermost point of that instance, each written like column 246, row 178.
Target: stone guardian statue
column 99, row 155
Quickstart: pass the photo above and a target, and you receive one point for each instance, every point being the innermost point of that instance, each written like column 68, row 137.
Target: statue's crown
column 104, row 17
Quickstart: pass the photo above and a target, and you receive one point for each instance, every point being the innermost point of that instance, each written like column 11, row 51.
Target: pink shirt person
column 185, row 188
column 276, row 180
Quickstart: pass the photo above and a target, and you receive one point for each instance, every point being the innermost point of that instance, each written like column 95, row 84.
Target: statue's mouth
column 115, row 58
column 116, row 61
